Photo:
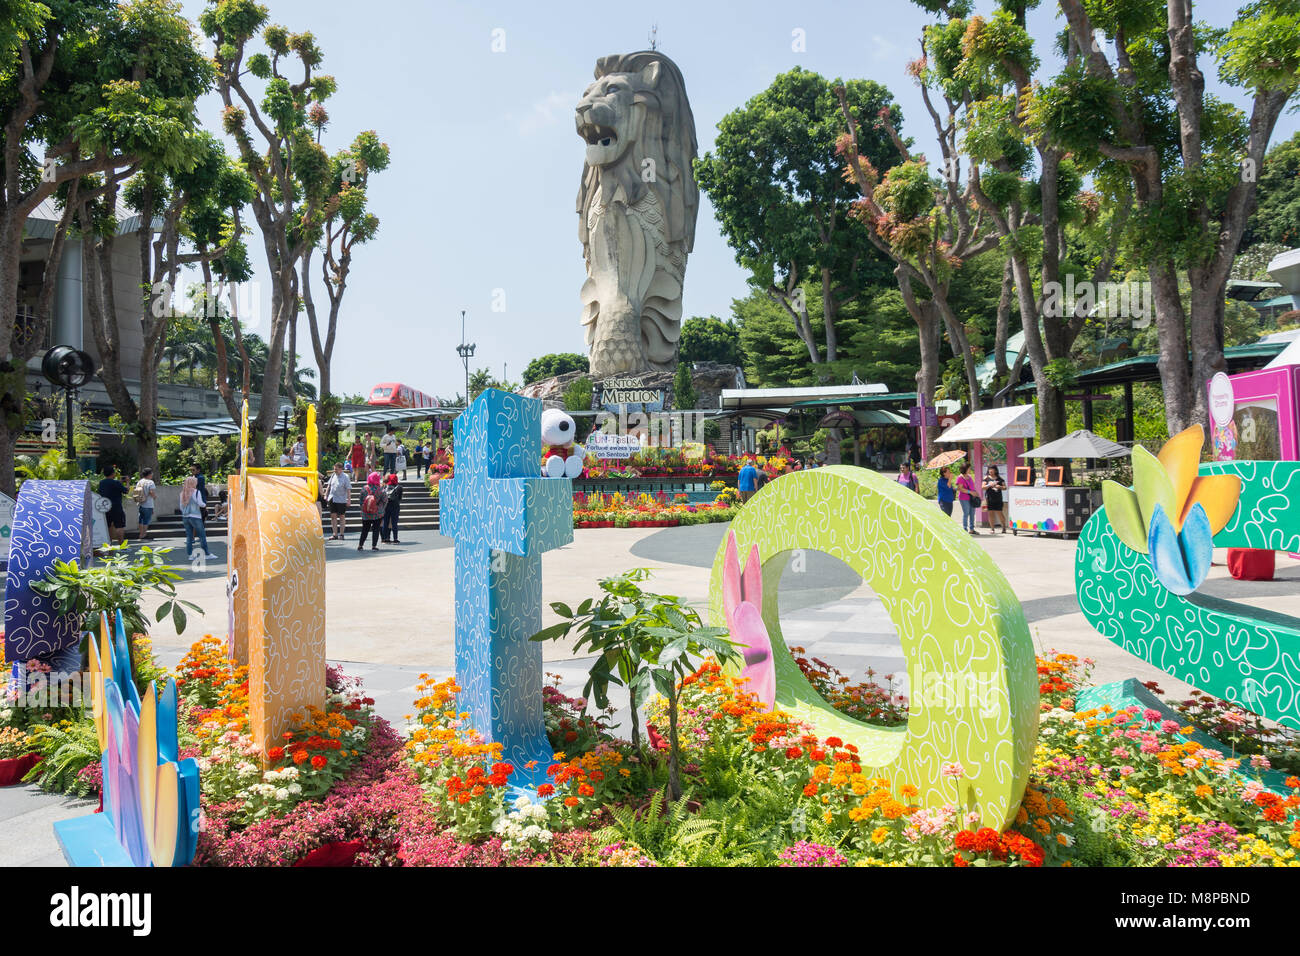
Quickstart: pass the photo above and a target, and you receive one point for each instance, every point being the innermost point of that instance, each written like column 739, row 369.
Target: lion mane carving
column 636, row 211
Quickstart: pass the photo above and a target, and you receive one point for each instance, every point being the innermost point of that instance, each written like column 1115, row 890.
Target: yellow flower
column 879, row 834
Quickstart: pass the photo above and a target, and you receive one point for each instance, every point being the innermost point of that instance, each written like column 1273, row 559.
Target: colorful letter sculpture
column 151, row 798
column 1144, row 600
column 277, row 555
column 970, row 660
column 503, row 515
column 52, row 522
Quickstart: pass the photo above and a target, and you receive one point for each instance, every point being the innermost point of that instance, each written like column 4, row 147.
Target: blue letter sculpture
column 503, row 515
column 52, row 521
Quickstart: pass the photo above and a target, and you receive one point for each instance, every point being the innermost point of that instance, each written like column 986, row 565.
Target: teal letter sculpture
column 503, row 516
column 1142, row 556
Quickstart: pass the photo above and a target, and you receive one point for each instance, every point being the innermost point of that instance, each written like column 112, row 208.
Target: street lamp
column 69, row 369
column 465, row 350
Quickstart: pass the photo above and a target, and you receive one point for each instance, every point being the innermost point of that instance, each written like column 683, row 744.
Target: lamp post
column 69, row 369
column 465, row 350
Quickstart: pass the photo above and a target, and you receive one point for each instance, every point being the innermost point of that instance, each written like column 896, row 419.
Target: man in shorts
column 113, row 490
column 338, row 493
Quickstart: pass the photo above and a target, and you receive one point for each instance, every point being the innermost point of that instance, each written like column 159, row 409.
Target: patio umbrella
column 946, row 458
column 1079, row 444
column 842, row 419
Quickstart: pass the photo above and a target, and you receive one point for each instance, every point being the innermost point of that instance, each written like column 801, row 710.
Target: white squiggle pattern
column 52, row 522
column 503, row 516
column 1222, row 649
column 279, row 554
column 955, row 612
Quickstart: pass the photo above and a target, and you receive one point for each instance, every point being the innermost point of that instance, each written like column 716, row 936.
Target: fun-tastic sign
column 51, row 523
column 970, row 660
column 1144, row 599
column 502, row 516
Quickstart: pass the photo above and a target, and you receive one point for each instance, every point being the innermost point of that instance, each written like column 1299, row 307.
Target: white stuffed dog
column 563, row 457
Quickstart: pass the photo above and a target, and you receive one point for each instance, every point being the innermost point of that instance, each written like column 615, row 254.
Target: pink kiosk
column 1010, row 425
column 1256, row 415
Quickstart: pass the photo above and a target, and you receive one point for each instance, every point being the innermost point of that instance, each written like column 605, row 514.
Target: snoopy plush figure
column 563, row 457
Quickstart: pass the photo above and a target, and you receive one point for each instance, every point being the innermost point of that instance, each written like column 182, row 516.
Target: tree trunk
column 828, row 316
column 674, row 761
column 1000, row 334
column 1171, row 326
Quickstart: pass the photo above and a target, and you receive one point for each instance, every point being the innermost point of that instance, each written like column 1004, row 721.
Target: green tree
column 1136, row 106
column 709, row 339
column 783, row 204
column 291, row 173
column 684, row 396
column 578, row 395
column 86, row 99
column 348, row 222
column 1023, row 182
column 1277, row 211
column 556, row 363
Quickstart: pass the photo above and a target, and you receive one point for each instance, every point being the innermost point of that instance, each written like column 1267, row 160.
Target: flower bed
column 598, row 510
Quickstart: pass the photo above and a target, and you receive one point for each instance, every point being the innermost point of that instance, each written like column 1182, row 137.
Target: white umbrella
column 1080, row 444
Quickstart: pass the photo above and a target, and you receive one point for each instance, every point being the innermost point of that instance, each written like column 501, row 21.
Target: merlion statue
column 636, row 211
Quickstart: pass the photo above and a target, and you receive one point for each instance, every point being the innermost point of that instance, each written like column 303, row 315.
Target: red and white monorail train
column 397, row 395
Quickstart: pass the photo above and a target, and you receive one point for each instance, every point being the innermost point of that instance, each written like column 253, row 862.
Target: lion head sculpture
column 636, row 210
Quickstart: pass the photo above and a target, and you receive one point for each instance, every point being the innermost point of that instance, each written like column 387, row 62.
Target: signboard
column 6, row 524
column 1224, row 433
column 612, row 446
column 922, row 415
column 630, row 391
column 1037, row 509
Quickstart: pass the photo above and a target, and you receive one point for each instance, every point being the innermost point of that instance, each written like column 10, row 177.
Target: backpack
column 370, row 504
column 138, row 494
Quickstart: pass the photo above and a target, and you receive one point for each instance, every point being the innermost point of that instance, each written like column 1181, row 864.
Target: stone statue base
column 709, row 379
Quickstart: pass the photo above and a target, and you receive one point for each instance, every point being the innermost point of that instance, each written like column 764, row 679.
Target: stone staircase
column 419, row 513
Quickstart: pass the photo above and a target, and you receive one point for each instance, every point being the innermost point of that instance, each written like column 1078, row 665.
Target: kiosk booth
column 1256, row 415
column 1053, row 507
column 1011, row 425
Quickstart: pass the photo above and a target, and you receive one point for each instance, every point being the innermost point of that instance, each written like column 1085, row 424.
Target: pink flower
column 1126, row 771
column 1151, row 715
column 953, row 769
column 1169, row 727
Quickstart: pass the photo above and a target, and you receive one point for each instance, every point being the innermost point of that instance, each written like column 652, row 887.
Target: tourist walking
column 357, row 458
column 388, row 527
column 944, row 492
column 747, row 479
column 994, row 503
column 907, row 477
column 968, row 494
column 373, row 502
column 113, row 490
column 388, row 445
column 369, row 445
column 338, row 495
column 402, row 459
column 202, row 481
column 192, row 503
column 145, row 494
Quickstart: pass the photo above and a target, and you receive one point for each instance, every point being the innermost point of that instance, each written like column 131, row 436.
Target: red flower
column 570, row 801
column 794, row 753
column 834, row 742
column 586, row 790
column 545, row 790
column 318, row 762
column 810, row 790
column 275, row 753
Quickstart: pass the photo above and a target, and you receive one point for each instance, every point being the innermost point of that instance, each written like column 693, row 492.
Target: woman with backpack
column 388, row 528
column 374, row 501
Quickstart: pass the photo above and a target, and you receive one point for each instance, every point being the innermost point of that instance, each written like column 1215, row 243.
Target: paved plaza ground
column 390, row 618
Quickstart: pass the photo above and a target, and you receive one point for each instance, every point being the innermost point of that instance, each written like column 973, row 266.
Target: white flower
column 282, row 794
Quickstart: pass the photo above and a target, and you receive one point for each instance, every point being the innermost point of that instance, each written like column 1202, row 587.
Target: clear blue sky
column 480, row 195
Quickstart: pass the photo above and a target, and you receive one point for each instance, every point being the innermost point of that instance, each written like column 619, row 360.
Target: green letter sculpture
column 970, row 661
column 1144, row 600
